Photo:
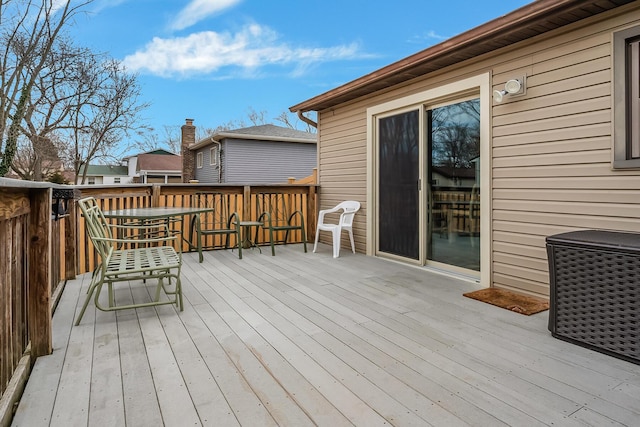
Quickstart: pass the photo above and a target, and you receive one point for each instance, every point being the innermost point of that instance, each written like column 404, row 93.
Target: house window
column 116, row 180
column 626, row 98
column 213, row 156
column 199, row 160
column 91, row 180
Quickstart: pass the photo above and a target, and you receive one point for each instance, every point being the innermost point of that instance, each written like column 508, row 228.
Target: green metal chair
column 221, row 221
column 138, row 252
column 277, row 212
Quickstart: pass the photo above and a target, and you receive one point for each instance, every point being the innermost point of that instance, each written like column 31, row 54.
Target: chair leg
column 315, row 245
column 353, row 245
column 273, row 249
column 90, row 291
column 304, row 239
column 336, row 241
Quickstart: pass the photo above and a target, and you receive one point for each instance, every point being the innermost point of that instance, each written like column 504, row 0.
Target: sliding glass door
column 453, row 174
column 428, row 184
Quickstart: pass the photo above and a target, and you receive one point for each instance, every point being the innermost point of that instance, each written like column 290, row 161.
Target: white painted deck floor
column 304, row 339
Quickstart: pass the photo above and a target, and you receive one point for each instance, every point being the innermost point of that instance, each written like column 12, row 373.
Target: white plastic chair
column 349, row 209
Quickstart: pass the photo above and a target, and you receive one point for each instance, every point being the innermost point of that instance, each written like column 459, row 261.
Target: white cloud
column 198, row 10
column 429, row 35
column 206, row 52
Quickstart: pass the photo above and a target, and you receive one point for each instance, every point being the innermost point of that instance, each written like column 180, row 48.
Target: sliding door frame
column 478, row 85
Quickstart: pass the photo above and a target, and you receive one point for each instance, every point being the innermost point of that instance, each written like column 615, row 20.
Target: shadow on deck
column 302, row 339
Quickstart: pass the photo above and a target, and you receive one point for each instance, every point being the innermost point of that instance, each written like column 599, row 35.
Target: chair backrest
column 349, row 207
column 280, row 206
column 96, row 226
column 223, row 205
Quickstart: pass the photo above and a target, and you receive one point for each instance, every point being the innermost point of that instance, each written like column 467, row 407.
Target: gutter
column 306, row 119
column 219, row 159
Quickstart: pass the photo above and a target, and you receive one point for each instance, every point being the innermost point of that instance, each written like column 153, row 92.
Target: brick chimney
column 188, row 156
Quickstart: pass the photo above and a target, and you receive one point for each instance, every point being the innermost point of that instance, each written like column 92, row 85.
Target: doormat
column 518, row 303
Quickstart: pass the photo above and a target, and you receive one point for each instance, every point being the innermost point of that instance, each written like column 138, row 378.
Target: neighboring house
column 158, row 166
column 265, row 154
column 105, row 175
column 443, row 176
column 560, row 153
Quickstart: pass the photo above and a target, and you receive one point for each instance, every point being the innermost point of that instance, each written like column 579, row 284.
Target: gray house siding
column 206, row 173
column 267, row 162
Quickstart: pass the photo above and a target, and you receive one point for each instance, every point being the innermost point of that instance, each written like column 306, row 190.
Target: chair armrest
column 136, row 241
column 155, row 229
column 268, row 216
column 234, row 218
column 298, row 212
column 322, row 213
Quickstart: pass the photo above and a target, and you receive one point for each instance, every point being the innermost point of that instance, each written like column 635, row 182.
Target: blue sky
column 214, row 60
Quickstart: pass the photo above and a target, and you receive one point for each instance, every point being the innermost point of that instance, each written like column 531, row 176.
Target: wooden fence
column 34, row 259
column 242, row 199
column 42, row 244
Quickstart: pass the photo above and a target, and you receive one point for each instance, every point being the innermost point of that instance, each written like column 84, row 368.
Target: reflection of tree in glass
column 455, row 134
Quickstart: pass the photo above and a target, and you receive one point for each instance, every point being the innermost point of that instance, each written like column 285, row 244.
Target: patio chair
column 277, row 212
column 138, row 253
column 349, row 209
column 220, row 222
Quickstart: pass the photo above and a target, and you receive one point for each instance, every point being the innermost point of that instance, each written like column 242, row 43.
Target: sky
column 214, row 61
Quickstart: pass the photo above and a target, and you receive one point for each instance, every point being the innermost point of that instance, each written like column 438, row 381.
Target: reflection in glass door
column 453, row 172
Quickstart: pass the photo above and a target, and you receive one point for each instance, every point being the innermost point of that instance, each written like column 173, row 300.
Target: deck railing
column 239, row 198
column 34, row 259
column 44, row 242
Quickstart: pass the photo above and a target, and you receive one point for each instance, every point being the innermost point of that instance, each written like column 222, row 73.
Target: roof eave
column 218, row 137
column 499, row 31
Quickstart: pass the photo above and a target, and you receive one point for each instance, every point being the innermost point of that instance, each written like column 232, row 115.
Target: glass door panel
column 398, row 198
column 453, row 174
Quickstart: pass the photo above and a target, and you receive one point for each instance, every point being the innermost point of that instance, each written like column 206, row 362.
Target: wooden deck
column 304, row 339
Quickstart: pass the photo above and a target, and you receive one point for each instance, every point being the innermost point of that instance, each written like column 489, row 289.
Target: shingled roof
column 159, row 162
column 528, row 21
column 262, row 133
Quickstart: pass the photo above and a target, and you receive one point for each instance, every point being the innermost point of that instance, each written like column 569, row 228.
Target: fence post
column 39, row 279
column 155, row 195
column 312, row 213
column 70, row 243
column 246, row 204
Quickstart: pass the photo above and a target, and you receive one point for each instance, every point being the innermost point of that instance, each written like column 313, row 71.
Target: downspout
column 306, row 119
column 218, row 160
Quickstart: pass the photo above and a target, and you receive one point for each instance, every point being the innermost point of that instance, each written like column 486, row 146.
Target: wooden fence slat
column 39, row 308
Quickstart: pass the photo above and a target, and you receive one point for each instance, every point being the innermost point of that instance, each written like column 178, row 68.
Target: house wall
column 111, row 179
column 551, row 149
column 207, row 173
column 267, row 162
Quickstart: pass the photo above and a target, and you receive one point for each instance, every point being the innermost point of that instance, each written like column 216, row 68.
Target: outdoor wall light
column 498, row 95
column 511, row 87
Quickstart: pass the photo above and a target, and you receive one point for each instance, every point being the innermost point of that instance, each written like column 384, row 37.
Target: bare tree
column 37, row 167
column 28, row 30
column 52, row 100
column 106, row 114
column 168, row 140
column 285, row 119
column 257, row 118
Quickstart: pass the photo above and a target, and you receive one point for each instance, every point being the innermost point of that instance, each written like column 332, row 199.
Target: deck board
column 304, row 339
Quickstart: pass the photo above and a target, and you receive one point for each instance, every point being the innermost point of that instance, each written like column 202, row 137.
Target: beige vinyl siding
column 550, row 150
column 342, row 168
column 551, row 159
